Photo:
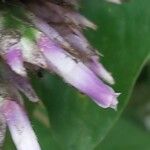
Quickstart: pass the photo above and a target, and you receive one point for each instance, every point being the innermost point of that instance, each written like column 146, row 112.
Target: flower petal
column 77, row 74
column 14, row 59
column 99, row 69
column 19, row 126
column 76, row 40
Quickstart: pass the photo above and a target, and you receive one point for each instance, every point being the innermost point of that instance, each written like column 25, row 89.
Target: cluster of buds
column 45, row 34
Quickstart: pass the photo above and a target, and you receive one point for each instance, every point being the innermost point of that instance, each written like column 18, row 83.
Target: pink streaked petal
column 14, row 59
column 19, row 126
column 77, row 74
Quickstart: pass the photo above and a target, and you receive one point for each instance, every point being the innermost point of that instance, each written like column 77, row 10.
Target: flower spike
column 45, row 34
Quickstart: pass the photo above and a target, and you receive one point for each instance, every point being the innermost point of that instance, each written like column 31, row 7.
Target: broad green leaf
column 76, row 123
column 132, row 131
column 123, row 37
column 122, row 138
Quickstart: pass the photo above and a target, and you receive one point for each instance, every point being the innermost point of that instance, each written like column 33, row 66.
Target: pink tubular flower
column 19, row 126
column 77, row 74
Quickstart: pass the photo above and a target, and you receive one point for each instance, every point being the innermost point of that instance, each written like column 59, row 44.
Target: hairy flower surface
column 45, row 34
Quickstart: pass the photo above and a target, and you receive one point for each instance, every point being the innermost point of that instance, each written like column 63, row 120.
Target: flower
column 77, row 74
column 19, row 126
column 13, row 114
column 57, row 44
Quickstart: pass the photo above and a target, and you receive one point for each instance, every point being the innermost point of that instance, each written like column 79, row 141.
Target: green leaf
column 132, row 130
column 122, row 138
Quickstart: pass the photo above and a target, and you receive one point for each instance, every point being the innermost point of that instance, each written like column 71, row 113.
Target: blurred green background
column 132, row 131
column 68, row 120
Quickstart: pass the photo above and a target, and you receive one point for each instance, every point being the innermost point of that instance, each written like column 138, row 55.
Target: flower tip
column 35, row 100
column 85, row 22
column 91, row 25
column 109, row 79
column 105, row 75
column 117, row 94
column 14, row 59
column 20, row 71
column 114, row 1
column 111, row 102
column 100, row 70
column 115, row 102
column 114, row 105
